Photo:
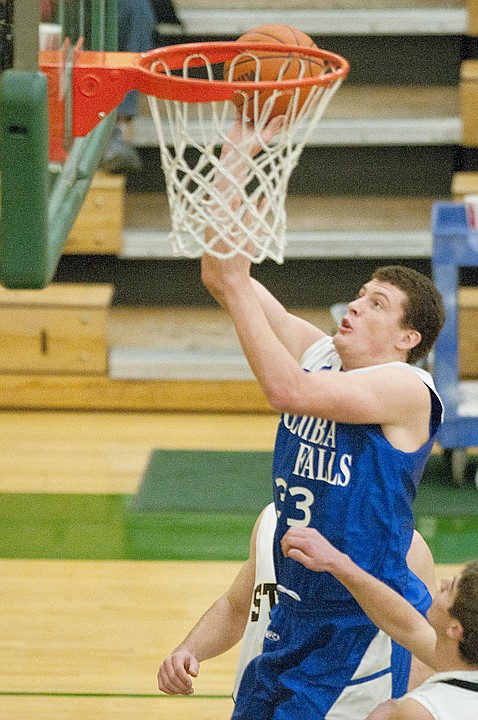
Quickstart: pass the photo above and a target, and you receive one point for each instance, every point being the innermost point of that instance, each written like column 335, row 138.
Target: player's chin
column 337, row 339
column 341, row 336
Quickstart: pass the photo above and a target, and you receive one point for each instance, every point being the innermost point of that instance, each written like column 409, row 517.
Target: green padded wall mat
column 233, row 481
column 60, row 525
column 199, row 504
column 196, row 505
column 205, row 481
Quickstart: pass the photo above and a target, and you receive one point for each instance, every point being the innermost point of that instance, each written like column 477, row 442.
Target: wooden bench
column 467, row 334
column 318, row 226
column 464, row 183
column 366, row 115
column 469, row 102
column 61, row 329
column 349, row 17
column 151, row 366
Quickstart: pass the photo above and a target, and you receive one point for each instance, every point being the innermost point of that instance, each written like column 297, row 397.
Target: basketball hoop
column 193, row 108
column 204, row 191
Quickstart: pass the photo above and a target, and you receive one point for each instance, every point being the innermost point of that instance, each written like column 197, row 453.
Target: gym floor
column 83, row 639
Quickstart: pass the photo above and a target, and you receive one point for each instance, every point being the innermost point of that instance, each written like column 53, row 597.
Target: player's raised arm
column 295, row 333
column 229, row 280
column 386, row 608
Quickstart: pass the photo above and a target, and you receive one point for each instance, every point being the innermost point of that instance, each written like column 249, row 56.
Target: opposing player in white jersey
column 447, row 641
column 263, row 596
column 244, row 610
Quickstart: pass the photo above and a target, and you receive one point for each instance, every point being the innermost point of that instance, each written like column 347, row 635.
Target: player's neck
column 353, row 362
column 449, row 658
column 354, row 359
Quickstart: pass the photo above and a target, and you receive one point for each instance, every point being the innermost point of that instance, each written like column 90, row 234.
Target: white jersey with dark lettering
column 264, row 596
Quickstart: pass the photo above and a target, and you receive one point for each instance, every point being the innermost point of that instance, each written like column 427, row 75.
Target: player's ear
column 455, row 630
column 409, row 339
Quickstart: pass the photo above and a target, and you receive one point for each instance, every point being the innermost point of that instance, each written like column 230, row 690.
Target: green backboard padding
column 39, row 203
column 25, row 178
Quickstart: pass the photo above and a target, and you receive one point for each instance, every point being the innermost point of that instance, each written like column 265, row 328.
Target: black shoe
column 120, row 156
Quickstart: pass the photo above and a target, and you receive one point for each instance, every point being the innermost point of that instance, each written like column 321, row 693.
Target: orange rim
column 199, row 54
column 100, row 80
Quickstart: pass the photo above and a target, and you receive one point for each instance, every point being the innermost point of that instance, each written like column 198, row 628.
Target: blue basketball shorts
column 316, row 667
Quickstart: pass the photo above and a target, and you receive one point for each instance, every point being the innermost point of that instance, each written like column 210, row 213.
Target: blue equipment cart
column 454, row 246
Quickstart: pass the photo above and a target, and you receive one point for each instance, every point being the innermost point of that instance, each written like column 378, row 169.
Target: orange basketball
column 286, row 66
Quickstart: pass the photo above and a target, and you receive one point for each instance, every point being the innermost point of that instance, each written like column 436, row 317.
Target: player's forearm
column 382, row 604
column 218, row 630
column 273, row 309
column 294, row 333
column 385, row 607
column 271, row 361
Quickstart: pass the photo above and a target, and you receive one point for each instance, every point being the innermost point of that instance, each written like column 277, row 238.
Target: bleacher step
column 207, row 17
column 319, row 226
column 363, row 115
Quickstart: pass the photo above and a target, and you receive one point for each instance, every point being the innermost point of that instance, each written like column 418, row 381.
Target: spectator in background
column 136, row 25
column 139, row 30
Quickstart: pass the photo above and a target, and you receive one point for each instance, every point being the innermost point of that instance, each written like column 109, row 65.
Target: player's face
column 370, row 330
column 438, row 613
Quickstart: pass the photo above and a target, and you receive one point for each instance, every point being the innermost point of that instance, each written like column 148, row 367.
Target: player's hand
column 47, row 9
column 233, row 170
column 228, row 225
column 243, row 134
column 176, row 671
column 310, row 548
column 220, row 273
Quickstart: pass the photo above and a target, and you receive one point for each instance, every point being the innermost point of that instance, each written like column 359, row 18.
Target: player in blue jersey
column 358, row 421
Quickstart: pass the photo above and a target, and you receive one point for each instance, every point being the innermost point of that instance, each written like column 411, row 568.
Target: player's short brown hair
column 423, row 310
column 465, row 609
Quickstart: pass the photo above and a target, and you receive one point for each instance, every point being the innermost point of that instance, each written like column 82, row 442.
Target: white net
column 240, row 198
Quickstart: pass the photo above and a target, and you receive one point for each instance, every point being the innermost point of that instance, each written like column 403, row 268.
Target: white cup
column 471, row 209
column 49, row 36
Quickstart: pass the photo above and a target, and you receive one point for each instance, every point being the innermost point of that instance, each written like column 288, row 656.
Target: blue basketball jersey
column 352, row 485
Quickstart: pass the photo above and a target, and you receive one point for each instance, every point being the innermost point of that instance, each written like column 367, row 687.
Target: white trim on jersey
column 264, row 590
column 323, row 354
